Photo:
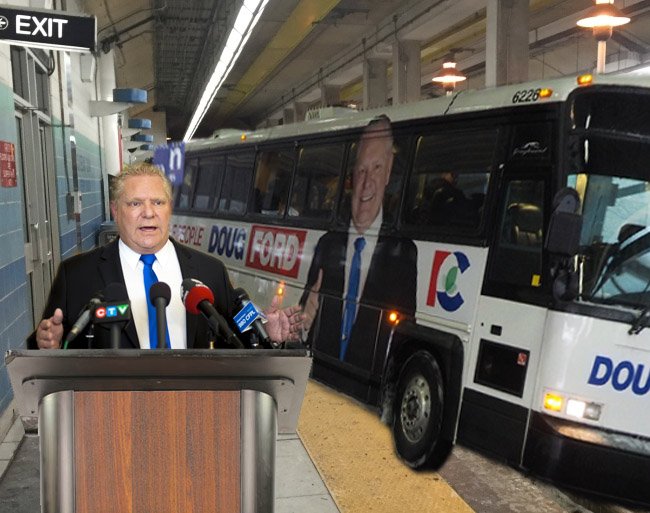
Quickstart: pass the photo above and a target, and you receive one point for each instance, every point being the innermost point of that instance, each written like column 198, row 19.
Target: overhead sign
column 171, row 158
column 47, row 29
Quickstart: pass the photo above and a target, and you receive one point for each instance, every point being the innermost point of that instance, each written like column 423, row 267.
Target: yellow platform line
column 353, row 452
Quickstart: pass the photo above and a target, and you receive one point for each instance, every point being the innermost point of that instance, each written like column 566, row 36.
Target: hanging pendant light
column 449, row 76
column 602, row 18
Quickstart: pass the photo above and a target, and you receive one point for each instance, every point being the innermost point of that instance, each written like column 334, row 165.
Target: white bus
column 521, row 297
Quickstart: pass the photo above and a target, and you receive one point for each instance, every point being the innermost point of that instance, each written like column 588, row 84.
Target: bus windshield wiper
column 642, row 321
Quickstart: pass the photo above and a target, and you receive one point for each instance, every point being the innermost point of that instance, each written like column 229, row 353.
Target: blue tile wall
column 90, row 185
column 15, row 305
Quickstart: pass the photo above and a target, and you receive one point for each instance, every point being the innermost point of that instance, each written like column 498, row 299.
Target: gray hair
column 140, row 169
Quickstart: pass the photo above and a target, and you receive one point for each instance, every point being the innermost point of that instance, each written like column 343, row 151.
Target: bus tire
column 418, row 413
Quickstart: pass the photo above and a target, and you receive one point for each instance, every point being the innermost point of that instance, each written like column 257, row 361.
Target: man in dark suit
column 141, row 207
column 356, row 274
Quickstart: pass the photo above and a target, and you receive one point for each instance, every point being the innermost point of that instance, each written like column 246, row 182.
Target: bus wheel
column 418, row 413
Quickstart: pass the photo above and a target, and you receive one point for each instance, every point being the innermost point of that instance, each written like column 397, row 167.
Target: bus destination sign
column 47, row 29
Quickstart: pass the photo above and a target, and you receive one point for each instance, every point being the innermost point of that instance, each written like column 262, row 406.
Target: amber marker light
column 280, row 289
column 242, row 137
column 545, row 92
column 585, row 79
column 553, row 402
column 393, row 318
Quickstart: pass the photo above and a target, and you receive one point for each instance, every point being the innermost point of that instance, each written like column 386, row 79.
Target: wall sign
column 171, row 158
column 7, row 164
column 47, row 29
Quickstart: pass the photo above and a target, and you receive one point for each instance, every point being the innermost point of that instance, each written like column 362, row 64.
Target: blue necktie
column 149, row 279
column 350, row 311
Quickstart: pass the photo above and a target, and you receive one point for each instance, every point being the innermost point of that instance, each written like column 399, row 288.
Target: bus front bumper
column 590, row 459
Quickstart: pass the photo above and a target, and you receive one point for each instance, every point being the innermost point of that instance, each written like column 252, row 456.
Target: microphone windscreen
column 115, row 292
column 193, row 292
column 160, row 290
column 241, row 294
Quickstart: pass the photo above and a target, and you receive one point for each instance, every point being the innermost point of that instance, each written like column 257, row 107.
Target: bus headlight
column 574, row 407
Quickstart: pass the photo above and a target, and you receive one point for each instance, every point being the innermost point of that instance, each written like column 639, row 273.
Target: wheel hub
column 415, row 410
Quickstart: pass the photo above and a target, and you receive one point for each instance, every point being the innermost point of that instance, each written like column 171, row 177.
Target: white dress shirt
column 168, row 270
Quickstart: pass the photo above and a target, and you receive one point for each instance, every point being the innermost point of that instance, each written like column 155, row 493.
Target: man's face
column 142, row 214
column 370, row 177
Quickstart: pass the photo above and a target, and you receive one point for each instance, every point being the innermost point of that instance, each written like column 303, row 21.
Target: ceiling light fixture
column 601, row 19
column 449, row 76
column 247, row 18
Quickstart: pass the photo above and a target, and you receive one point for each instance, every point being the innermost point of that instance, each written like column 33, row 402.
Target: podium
column 141, row 431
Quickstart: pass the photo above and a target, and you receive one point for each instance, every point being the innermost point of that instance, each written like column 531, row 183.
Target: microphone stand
column 116, row 332
column 161, row 323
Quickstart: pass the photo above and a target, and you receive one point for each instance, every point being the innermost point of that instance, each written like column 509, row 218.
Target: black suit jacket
column 391, row 284
column 81, row 277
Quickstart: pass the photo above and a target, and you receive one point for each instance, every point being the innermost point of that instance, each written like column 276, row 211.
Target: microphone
column 160, row 294
column 115, row 310
column 249, row 315
column 83, row 320
column 198, row 298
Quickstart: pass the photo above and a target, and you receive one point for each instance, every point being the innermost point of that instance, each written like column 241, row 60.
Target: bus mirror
column 563, row 236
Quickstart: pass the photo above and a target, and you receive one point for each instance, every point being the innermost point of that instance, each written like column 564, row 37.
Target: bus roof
column 460, row 102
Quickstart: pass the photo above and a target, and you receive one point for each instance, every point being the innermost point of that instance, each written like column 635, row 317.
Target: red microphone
column 198, row 298
column 194, row 293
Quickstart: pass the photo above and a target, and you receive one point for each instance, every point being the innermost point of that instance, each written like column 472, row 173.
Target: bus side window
column 184, row 191
column 210, row 172
column 272, row 180
column 236, row 182
column 316, row 183
column 517, row 254
column 449, row 181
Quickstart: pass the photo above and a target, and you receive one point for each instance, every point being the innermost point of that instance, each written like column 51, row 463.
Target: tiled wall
column 90, row 185
column 15, row 303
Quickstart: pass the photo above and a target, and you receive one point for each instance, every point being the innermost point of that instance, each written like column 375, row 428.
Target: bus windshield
column 609, row 159
column 616, row 239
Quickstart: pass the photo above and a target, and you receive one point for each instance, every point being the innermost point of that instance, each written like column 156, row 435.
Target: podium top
column 280, row 373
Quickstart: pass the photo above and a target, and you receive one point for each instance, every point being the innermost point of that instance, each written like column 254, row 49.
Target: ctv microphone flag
column 115, row 311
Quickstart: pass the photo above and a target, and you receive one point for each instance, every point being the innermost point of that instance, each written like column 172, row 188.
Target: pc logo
column 444, row 276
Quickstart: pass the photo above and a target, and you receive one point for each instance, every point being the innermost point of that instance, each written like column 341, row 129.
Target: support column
column 330, row 95
column 406, row 72
column 506, row 42
column 288, row 116
column 110, row 135
column 375, row 83
column 299, row 111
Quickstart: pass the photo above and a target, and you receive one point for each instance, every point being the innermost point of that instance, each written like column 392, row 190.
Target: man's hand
column 50, row 331
column 312, row 303
column 283, row 325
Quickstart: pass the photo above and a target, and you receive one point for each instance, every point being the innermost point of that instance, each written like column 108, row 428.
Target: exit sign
column 47, row 29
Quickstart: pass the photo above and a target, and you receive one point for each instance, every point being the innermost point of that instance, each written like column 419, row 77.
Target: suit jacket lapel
column 110, row 271
column 188, row 270
column 374, row 280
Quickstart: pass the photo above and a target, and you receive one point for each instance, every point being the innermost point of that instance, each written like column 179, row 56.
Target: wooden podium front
column 158, row 431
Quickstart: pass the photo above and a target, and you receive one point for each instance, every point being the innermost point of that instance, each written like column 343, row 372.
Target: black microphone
column 114, row 311
column 83, row 319
column 198, row 298
column 160, row 295
column 243, row 301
